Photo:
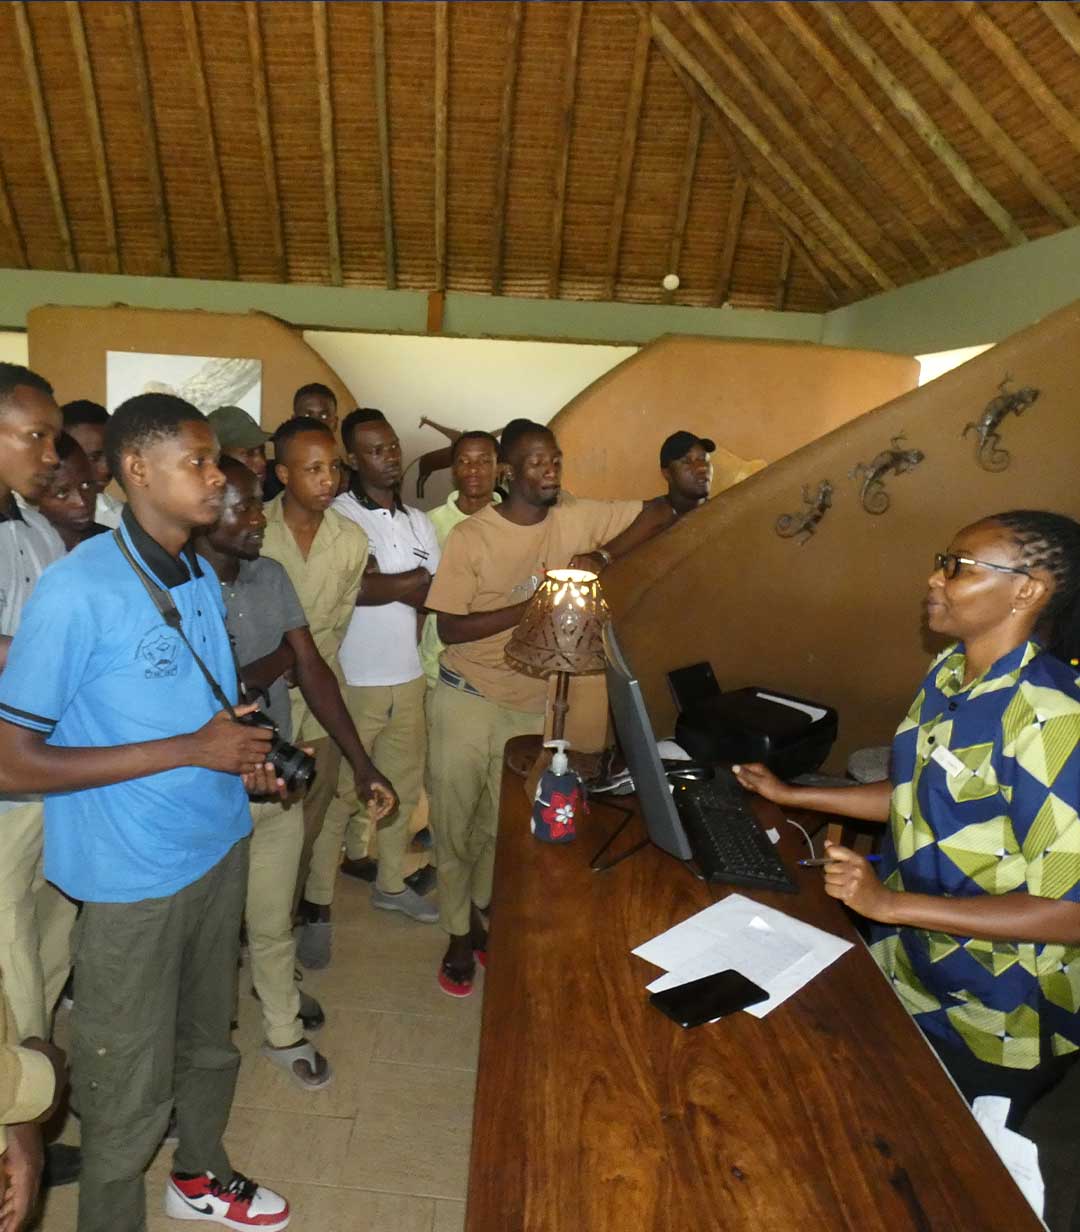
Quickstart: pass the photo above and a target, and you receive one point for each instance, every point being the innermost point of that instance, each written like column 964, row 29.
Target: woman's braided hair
column 1051, row 541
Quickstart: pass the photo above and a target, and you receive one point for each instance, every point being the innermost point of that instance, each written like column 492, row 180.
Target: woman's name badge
column 948, row 760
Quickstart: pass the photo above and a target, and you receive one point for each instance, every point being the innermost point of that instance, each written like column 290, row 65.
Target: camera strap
column 170, row 614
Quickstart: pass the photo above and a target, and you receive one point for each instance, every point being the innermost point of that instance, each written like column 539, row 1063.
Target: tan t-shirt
column 489, row 563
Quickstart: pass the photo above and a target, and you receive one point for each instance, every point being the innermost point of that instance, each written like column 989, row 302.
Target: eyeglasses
column 949, row 564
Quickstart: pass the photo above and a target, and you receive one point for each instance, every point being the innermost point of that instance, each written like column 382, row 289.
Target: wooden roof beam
column 686, row 189
column 908, row 106
column 783, row 277
column 97, row 140
column 792, row 140
column 1064, row 120
column 326, row 139
column 639, row 65
column 562, row 153
column 868, row 111
column 10, row 223
column 213, row 161
column 515, row 15
column 1065, row 21
column 978, row 116
column 732, row 228
column 812, row 117
column 766, row 150
column 151, row 152
column 382, row 116
column 261, row 97
column 44, row 134
column 442, row 118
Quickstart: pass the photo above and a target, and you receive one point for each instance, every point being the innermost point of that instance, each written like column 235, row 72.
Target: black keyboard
column 727, row 842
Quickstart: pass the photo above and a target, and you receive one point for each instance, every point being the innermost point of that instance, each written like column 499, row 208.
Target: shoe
column 423, row 880
column 451, row 986
column 423, row 840
column 240, row 1204
column 311, row 1013
column 364, row 870
column 62, row 1165
column 314, row 943
column 408, row 902
column 314, row 1073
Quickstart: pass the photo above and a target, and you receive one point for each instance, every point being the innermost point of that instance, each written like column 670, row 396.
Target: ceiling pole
column 44, row 135
column 515, row 14
column 732, row 229
column 1065, row 21
column 905, row 102
column 783, row 277
column 686, row 189
column 202, row 96
column 260, row 91
column 562, row 153
column 326, row 139
column 442, row 118
column 97, row 140
column 382, row 115
column 640, row 64
column 10, row 223
column 150, row 151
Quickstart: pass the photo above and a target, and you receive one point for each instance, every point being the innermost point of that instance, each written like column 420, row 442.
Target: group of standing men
column 362, row 626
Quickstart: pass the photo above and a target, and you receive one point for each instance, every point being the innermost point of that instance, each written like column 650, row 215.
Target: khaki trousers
column 466, row 738
column 276, row 842
column 35, row 924
column 325, row 819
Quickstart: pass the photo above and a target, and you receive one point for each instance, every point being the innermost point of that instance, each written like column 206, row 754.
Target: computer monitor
column 639, row 748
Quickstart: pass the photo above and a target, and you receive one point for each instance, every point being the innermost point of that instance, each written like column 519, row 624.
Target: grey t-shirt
column 260, row 608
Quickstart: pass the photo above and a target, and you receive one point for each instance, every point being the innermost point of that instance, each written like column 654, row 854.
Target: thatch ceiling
column 773, row 155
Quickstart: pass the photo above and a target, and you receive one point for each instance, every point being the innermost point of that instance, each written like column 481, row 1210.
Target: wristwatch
column 604, row 555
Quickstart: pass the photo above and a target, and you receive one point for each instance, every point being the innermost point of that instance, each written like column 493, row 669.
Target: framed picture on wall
column 205, row 381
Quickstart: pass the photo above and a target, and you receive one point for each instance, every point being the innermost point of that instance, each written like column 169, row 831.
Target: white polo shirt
column 380, row 645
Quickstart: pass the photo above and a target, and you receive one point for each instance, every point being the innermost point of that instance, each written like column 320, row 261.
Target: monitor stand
column 627, row 814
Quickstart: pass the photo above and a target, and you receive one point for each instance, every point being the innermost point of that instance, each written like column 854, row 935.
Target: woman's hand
column 851, row 879
column 761, row 781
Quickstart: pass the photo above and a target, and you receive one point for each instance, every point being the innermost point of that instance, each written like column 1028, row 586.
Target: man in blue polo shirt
column 105, row 707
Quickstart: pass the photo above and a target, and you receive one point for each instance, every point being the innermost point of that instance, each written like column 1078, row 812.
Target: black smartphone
column 714, row 996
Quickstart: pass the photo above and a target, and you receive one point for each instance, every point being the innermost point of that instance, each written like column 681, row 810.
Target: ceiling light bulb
column 670, row 282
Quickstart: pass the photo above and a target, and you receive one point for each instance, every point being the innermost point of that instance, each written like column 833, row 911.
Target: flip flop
column 285, row 1058
column 452, row 987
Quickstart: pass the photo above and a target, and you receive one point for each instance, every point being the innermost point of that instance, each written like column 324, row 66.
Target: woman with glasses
column 976, row 914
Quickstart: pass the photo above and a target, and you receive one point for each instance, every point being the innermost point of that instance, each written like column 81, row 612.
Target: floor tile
column 449, row 1042
column 449, row 1216
column 299, row 1147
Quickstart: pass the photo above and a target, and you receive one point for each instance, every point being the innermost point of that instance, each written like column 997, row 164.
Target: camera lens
column 293, row 765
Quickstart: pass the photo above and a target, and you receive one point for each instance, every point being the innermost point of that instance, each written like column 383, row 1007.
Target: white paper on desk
column 1017, row 1153
column 735, row 932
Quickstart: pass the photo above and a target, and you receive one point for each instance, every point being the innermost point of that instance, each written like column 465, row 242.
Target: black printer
column 791, row 735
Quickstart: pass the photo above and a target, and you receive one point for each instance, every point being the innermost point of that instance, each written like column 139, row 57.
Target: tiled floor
column 385, row 1147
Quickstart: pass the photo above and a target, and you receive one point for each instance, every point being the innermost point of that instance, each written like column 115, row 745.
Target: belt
column 457, row 682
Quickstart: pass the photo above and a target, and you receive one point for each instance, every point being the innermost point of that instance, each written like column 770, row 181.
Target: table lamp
column 560, row 634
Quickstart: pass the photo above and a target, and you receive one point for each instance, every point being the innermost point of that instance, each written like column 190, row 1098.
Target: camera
column 293, row 765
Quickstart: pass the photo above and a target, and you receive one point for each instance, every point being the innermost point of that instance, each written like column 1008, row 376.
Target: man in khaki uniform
column 491, row 565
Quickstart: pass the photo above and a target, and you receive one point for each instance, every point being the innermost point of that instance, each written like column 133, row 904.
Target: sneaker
column 423, row 880
column 408, row 902
column 314, row 944
column 240, row 1204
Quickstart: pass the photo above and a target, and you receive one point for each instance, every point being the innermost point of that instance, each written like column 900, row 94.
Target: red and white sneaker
column 240, row 1204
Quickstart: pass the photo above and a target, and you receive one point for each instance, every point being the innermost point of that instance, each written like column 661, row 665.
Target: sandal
column 318, row 1073
column 450, row 982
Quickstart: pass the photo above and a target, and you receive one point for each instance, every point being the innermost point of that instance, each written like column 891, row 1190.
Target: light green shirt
column 444, row 519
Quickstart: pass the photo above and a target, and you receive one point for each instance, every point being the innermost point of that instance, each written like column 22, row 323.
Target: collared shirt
column 444, row 519
column 380, row 647
column 260, row 608
column 326, row 581
column 94, row 666
column 985, row 797
column 108, row 510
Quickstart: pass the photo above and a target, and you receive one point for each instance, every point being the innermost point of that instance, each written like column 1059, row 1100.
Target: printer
column 791, row 735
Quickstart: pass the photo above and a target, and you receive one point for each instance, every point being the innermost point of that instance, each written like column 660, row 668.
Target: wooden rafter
column 44, row 135
column 382, row 116
column 686, row 188
column 1064, row 120
column 442, row 119
column 261, row 97
column 150, row 151
column 789, row 225
column 792, row 140
column 909, row 107
column 736, row 210
column 1065, row 20
column 978, row 116
column 783, row 276
column 97, row 139
column 639, row 65
column 868, row 110
column 213, row 161
column 10, row 223
column 757, row 139
column 326, row 139
column 515, row 13
column 562, row 153
column 812, row 117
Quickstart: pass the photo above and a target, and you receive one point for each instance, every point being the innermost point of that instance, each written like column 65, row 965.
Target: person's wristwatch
column 604, row 555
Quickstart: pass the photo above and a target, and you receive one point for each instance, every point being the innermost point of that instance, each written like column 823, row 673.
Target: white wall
column 460, row 382
column 13, row 347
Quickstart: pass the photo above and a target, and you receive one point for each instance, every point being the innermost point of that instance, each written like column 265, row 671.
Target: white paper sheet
column 1017, row 1153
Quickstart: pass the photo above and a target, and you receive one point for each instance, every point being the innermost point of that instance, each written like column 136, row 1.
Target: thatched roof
column 773, row 155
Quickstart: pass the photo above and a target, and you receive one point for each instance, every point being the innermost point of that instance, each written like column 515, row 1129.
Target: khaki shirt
column 27, row 1084
column 326, row 583
column 489, row 563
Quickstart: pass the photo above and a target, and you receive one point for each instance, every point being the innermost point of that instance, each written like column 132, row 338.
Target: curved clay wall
column 839, row 617
column 758, row 400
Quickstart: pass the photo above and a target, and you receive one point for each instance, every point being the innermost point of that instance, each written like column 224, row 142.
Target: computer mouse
column 690, row 773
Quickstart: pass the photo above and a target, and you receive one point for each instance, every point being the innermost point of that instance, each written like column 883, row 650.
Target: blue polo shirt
column 93, row 665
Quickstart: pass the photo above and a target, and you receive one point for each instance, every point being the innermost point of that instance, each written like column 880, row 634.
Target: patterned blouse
column 986, row 788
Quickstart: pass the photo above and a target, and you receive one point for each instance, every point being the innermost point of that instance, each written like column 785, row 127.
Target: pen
column 821, row 863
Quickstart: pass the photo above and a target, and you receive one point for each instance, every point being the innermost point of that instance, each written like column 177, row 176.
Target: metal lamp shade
column 562, row 628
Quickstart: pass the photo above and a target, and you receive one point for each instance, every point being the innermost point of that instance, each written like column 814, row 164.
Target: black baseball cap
column 679, row 444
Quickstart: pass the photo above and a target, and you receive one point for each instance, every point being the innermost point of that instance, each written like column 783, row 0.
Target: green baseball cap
column 235, row 429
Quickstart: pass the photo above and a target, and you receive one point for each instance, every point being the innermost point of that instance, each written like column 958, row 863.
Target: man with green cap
column 240, row 437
